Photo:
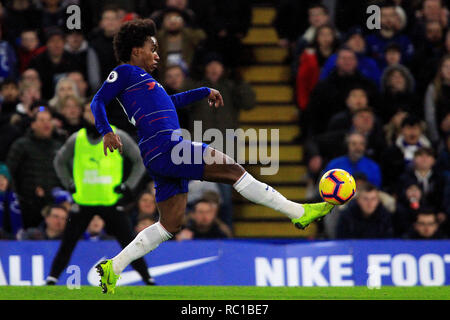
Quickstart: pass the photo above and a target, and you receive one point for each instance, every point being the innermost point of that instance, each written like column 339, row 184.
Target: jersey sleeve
column 117, row 81
column 185, row 98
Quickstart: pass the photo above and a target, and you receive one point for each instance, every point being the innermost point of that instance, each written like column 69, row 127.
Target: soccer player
column 153, row 112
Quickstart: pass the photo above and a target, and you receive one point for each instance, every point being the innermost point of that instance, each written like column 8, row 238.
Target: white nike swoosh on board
column 128, row 277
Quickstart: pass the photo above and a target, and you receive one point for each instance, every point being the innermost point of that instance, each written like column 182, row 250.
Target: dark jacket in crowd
column 8, row 134
column 50, row 73
column 30, row 162
column 393, row 102
column 353, row 225
column 328, row 98
column 236, row 96
column 433, row 195
column 216, row 231
column 405, row 215
column 103, row 46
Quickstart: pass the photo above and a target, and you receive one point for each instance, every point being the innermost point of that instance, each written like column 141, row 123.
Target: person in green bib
column 97, row 184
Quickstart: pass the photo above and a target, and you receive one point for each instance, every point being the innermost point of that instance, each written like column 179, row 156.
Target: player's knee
column 174, row 223
column 234, row 172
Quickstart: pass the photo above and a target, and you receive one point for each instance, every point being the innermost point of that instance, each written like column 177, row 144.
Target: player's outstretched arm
column 114, row 84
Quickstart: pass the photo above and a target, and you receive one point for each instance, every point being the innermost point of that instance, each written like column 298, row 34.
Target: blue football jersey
column 147, row 106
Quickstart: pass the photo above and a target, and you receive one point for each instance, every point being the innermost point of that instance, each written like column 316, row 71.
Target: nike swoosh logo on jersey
column 143, row 74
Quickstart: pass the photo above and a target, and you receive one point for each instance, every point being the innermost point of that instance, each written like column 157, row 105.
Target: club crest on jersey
column 112, row 76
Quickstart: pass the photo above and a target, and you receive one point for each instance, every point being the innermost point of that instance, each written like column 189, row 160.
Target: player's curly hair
column 132, row 34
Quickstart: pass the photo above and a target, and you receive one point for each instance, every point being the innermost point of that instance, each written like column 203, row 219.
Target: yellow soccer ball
column 337, row 186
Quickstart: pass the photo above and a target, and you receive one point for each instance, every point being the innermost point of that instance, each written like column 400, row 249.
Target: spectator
column 236, row 95
column 31, row 76
column 425, row 227
column 398, row 94
column 437, row 100
column 425, row 70
column 53, row 63
column 145, row 206
column 410, row 200
column 311, row 62
column 357, row 99
column 365, row 218
column 20, row 15
column 85, row 57
column 204, row 224
column 177, row 43
column 175, row 82
column 8, row 67
column 398, row 156
column 230, row 24
column 52, row 228
column 30, row 95
column 318, row 16
column 95, row 230
column 356, row 162
column 329, row 96
column 350, row 13
column 144, row 221
column 65, row 87
column 82, row 85
column 63, row 198
column 424, row 174
column 392, row 129
column 378, row 41
column 191, row 20
column 430, row 47
column 30, row 161
column 29, row 48
column 53, row 14
column 8, row 132
column 212, row 191
column 431, row 11
column 443, row 159
column 392, row 56
column 198, row 189
column 330, row 144
column 101, row 40
column 10, row 213
column 71, row 111
column 355, row 41
column 330, row 220
column 9, row 92
column 291, row 20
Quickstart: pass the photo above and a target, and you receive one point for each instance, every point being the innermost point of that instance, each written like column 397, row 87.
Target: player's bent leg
column 225, row 170
column 172, row 213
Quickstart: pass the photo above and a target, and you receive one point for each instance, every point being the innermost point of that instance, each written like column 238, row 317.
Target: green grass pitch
column 225, row 293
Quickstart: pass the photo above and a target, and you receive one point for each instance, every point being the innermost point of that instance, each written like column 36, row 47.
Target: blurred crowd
column 48, row 75
column 373, row 92
column 375, row 102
